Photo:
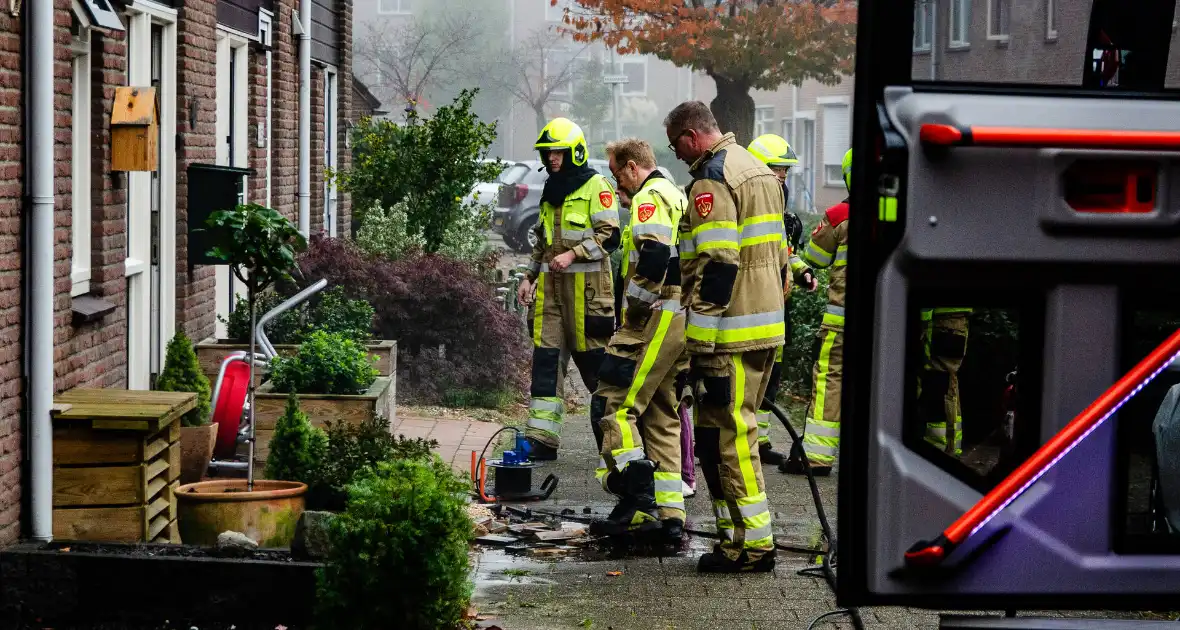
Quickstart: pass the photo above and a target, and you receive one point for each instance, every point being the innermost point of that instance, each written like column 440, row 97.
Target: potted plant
column 331, row 311
column 182, row 373
column 259, row 245
column 335, row 380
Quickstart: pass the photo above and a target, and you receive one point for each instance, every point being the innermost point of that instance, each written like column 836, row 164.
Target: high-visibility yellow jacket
column 730, row 253
column 828, row 247
column 586, row 223
column 651, row 265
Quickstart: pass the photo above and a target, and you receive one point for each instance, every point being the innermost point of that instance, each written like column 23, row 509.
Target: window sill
column 918, row 52
column 89, row 308
column 959, row 47
column 1000, row 41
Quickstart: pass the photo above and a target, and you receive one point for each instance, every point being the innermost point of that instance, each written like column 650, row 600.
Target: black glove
column 794, row 228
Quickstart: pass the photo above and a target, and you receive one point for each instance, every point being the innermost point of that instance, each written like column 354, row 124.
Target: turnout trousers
column 572, row 315
column 765, row 416
column 945, row 340
column 730, row 388
column 821, row 436
column 637, row 404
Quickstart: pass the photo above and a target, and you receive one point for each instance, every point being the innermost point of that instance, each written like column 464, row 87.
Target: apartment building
column 814, row 117
column 226, row 75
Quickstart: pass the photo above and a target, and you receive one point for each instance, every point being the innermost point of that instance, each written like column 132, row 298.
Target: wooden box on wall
column 135, row 129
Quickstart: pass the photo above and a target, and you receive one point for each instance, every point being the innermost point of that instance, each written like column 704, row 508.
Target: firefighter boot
column 636, row 509
column 673, row 531
column 717, row 562
column 769, row 456
column 541, row 451
column 794, row 466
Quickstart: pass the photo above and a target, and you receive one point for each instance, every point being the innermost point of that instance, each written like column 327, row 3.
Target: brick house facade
column 119, row 294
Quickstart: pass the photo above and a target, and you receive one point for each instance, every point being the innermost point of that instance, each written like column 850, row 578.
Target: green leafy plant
column 297, row 447
column 286, row 328
column 325, row 363
column 387, row 233
column 335, row 313
column 182, row 373
column 398, row 554
column 258, row 244
column 353, row 448
column 437, row 160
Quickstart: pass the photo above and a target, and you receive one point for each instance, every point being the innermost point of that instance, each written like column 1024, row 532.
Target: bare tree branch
column 540, row 66
column 408, row 60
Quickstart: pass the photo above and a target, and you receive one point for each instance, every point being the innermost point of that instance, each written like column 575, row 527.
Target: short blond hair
column 632, row 150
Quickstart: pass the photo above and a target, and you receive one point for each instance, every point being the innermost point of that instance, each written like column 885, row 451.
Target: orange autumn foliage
column 750, row 44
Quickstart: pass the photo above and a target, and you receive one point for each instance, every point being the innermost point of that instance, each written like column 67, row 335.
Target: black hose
column 826, row 566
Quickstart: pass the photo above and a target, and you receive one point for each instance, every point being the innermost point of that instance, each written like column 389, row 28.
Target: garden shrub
column 424, row 302
column 285, row 329
column 352, row 448
column 437, row 160
column 330, row 311
column 397, row 555
column 325, row 363
column 297, row 447
column 387, row 233
column 182, row 373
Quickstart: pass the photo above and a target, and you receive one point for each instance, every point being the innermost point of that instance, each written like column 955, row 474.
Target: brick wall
column 317, row 149
column 11, row 188
column 196, row 88
column 285, row 115
column 344, row 83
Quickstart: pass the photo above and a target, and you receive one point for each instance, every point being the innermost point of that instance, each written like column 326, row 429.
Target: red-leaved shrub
column 424, row 302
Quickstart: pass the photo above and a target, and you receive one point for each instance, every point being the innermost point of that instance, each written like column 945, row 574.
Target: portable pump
column 514, row 473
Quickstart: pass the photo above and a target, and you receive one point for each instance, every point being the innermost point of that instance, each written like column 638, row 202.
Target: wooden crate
column 116, row 458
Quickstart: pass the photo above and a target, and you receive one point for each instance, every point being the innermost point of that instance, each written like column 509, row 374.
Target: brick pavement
column 456, row 438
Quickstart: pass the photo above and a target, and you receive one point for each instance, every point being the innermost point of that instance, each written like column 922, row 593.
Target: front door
column 232, row 148
column 150, row 265
column 1016, row 222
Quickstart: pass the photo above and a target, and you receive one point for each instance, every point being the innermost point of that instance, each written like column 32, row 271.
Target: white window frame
column 1051, row 20
column 831, row 155
column 786, row 129
column 332, row 144
column 81, row 160
column 266, row 38
column 141, row 325
column 923, row 14
column 397, row 8
column 960, row 23
column 763, row 119
column 993, row 10
column 231, row 44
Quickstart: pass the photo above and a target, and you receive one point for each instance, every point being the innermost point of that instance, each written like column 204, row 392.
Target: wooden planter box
column 379, row 400
column 211, row 352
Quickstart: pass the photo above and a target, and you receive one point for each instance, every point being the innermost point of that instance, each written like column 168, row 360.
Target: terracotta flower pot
column 267, row 514
column 196, row 449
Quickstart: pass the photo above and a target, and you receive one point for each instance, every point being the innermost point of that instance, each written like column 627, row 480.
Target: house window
column 636, row 70
column 788, row 129
column 560, row 66
column 100, row 14
column 923, row 25
column 1050, row 19
column 395, row 7
column 960, row 23
column 763, row 120
column 556, row 13
column 836, row 141
column 80, row 162
column 997, row 19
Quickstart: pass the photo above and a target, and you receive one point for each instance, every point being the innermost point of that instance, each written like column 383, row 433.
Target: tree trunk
column 734, row 108
column 541, row 120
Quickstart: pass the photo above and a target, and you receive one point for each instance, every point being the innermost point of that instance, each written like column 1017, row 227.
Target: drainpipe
column 39, row 171
column 305, row 117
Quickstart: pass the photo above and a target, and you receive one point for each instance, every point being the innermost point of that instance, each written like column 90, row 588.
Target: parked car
column 519, row 202
column 487, row 192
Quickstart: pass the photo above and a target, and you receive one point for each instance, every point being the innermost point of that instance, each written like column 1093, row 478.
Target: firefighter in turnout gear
column 776, row 153
column 828, row 248
column 573, row 309
column 944, row 338
column 640, row 383
column 730, row 261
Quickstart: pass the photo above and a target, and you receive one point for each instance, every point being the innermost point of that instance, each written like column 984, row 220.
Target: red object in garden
column 231, row 401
